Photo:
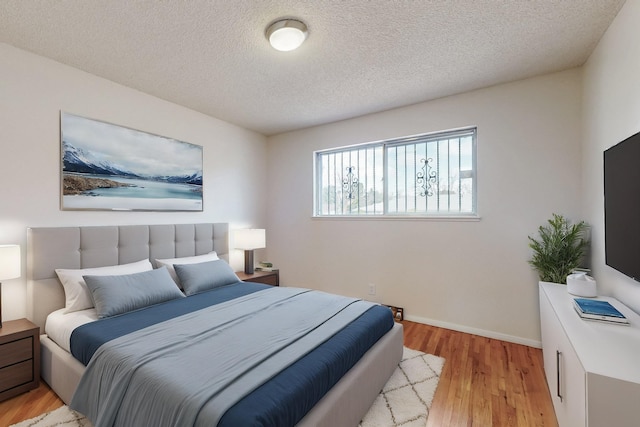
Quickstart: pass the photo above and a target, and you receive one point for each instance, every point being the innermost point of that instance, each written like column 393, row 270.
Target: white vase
column 581, row 285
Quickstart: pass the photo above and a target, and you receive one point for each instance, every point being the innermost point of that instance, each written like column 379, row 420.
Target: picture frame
column 105, row 166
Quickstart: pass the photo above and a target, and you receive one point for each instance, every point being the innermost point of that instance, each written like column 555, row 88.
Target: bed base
column 59, row 369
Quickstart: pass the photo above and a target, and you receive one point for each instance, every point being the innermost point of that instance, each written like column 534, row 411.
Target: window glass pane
column 422, row 175
column 350, row 182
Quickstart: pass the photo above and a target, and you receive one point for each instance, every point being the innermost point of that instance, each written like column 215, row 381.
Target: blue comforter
column 284, row 399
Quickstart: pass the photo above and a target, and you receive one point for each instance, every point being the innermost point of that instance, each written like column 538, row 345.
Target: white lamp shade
column 287, row 34
column 9, row 262
column 250, row 238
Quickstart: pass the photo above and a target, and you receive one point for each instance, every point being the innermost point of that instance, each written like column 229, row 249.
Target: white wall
column 538, row 153
column 611, row 114
column 33, row 90
column 470, row 276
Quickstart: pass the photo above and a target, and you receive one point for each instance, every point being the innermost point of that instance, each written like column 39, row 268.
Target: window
column 423, row 175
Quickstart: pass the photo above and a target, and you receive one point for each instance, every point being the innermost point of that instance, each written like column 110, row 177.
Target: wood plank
column 29, row 405
column 485, row 382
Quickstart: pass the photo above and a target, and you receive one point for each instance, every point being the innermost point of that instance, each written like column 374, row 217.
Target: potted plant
column 560, row 249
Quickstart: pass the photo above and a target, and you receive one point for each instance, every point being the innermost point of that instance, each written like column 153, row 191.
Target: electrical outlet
column 372, row 289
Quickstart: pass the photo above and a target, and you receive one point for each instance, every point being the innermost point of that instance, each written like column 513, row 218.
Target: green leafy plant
column 560, row 249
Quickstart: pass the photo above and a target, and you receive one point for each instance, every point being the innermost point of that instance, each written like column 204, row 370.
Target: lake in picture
column 134, row 194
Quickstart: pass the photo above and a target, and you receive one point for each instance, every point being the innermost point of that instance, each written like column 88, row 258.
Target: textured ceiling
column 361, row 56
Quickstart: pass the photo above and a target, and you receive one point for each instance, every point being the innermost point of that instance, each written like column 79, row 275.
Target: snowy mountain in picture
column 80, row 161
column 77, row 160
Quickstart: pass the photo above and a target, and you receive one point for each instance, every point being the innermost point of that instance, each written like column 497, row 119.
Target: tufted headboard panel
column 98, row 246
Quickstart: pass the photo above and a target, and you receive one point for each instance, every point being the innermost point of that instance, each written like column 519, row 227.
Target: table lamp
column 249, row 239
column 9, row 267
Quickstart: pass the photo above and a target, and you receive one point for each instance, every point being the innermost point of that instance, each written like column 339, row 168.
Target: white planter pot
column 581, row 285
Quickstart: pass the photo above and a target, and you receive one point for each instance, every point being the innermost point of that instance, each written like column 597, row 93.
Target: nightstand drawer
column 267, row 280
column 15, row 375
column 16, row 351
column 260, row 276
column 19, row 357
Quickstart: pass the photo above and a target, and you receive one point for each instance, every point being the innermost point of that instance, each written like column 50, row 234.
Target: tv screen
column 622, row 206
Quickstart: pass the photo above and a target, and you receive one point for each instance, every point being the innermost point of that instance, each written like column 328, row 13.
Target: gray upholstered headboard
column 99, row 246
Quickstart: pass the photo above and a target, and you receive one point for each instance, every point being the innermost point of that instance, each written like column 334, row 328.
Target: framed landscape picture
column 110, row 167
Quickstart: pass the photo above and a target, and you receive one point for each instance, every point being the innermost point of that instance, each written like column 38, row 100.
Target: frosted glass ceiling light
column 287, row 34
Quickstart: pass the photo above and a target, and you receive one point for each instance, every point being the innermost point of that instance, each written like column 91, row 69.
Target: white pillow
column 169, row 262
column 75, row 289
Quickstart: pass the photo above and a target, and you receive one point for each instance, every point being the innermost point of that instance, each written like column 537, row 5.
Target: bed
column 344, row 404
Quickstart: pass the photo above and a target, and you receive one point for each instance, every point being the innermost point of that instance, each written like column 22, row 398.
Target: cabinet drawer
column 15, row 375
column 267, row 280
column 16, row 351
column 265, row 277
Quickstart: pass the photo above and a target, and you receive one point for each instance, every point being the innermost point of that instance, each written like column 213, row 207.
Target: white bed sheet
column 60, row 325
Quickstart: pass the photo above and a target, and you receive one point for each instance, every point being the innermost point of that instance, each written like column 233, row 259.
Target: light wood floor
column 28, row 405
column 485, row 382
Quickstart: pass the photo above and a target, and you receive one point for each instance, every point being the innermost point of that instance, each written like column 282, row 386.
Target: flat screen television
column 622, row 206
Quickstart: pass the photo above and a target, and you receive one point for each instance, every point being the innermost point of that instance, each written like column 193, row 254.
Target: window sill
column 445, row 218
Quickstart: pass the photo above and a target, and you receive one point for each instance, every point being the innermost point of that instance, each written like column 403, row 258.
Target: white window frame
column 386, row 145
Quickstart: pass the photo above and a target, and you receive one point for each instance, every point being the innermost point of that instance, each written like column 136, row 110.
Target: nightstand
column 267, row 277
column 19, row 357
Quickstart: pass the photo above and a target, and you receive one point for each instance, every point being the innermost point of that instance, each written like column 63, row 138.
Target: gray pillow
column 120, row 294
column 203, row 276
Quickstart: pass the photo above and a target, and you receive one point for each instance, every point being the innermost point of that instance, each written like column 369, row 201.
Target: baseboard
column 475, row 331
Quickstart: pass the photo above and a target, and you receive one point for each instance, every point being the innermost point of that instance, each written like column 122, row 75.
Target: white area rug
column 404, row 401
column 407, row 396
column 61, row 417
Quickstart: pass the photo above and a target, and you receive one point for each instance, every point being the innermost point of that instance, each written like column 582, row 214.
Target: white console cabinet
column 592, row 368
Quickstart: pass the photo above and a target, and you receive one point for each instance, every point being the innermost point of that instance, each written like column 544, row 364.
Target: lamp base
column 248, row 261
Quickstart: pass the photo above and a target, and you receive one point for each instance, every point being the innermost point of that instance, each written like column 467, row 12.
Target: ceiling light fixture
column 287, row 34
